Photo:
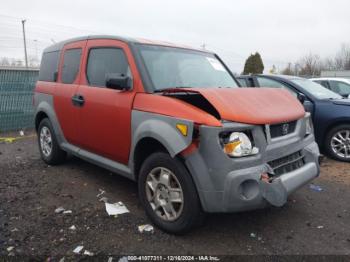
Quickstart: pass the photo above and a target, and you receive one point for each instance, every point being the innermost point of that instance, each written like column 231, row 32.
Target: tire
column 55, row 155
column 190, row 214
column 335, row 142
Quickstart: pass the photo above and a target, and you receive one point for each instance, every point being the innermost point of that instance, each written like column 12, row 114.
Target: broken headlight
column 308, row 123
column 238, row 144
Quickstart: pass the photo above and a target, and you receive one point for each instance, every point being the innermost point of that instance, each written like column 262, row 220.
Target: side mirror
column 301, row 97
column 345, row 95
column 118, row 81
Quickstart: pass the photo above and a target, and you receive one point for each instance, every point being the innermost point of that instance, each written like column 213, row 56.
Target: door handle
column 78, row 100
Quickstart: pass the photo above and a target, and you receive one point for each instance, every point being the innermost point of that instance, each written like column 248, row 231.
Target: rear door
column 105, row 116
column 68, row 79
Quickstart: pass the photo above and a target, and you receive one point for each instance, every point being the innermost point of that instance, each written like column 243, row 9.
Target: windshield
column 315, row 89
column 170, row 67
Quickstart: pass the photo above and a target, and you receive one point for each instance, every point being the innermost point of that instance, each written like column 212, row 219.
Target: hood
column 250, row 105
column 343, row 102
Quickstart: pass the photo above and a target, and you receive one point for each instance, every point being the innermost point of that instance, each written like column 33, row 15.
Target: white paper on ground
column 88, row 253
column 78, row 249
column 116, row 209
column 145, row 228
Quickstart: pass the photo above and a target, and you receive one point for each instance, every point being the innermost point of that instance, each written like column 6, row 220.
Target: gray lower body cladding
column 224, row 184
column 227, row 184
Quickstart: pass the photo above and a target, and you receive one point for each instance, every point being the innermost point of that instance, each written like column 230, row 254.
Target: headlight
column 308, row 123
column 239, row 145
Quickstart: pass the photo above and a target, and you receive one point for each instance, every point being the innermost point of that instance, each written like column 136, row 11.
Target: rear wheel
column 168, row 194
column 50, row 151
column 338, row 143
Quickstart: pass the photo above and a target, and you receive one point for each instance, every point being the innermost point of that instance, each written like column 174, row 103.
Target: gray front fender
column 162, row 128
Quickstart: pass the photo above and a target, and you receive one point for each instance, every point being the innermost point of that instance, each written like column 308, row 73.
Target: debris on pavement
column 146, row 228
column 78, row 249
column 116, row 208
column 62, row 210
column 101, row 193
column 88, row 253
column 253, row 235
column 320, row 227
column 103, row 199
column 9, row 249
column 316, row 188
column 59, row 210
column 73, row 227
column 21, row 133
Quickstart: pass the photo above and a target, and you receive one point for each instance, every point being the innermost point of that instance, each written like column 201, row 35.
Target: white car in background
column 338, row 85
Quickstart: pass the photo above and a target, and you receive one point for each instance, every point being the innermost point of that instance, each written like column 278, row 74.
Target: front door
column 105, row 114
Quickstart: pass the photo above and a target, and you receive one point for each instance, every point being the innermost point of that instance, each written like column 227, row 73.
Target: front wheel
column 168, row 194
column 338, row 143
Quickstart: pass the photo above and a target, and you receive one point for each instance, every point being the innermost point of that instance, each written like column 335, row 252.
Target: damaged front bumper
column 233, row 185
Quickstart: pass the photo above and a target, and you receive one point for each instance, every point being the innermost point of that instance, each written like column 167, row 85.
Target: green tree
column 253, row 64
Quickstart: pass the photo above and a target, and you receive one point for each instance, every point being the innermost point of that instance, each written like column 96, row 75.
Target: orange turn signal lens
column 182, row 128
column 230, row 147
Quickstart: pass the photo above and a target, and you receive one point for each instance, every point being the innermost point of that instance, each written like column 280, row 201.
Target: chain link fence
column 16, row 93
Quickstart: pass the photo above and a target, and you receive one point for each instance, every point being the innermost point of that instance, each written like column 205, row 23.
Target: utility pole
column 25, row 43
column 36, row 49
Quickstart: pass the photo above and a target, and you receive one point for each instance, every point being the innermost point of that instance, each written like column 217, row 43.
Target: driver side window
column 105, row 60
column 266, row 82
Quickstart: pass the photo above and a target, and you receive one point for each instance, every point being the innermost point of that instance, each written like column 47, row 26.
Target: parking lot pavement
column 312, row 222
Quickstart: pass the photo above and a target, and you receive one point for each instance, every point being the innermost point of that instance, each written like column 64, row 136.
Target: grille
column 282, row 129
column 287, row 164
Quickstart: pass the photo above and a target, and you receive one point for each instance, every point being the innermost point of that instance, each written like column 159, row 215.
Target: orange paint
column 169, row 106
column 256, row 106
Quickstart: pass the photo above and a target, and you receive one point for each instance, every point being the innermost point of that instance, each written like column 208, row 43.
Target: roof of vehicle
column 58, row 46
column 341, row 79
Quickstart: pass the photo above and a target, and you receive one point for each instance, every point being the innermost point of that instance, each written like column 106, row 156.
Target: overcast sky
column 281, row 31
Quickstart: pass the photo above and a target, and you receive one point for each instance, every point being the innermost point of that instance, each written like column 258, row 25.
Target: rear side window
column 49, row 66
column 71, row 63
column 103, row 61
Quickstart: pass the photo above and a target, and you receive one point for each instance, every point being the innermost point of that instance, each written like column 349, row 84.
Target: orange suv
column 173, row 119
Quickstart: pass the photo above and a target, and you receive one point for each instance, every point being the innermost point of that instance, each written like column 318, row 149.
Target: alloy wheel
column 45, row 141
column 164, row 193
column 340, row 143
